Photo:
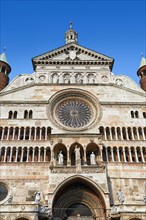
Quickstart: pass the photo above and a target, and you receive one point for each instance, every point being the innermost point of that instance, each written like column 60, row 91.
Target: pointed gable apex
column 73, row 54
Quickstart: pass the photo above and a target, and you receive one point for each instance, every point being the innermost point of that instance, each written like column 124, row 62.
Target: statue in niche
column 55, row 78
column 77, row 153
column 60, row 158
column 37, row 197
column 120, row 196
column 67, row 78
column 79, row 79
column 91, row 79
column 92, row 158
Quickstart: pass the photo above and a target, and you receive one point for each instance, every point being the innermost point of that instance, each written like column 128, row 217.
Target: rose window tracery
column 74, row 113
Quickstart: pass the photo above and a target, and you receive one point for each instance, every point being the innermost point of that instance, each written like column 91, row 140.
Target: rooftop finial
column 70, row 24
column 4, row 49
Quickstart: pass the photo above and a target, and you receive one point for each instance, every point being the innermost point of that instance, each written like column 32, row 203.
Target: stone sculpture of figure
column 60, row 158
column 37, row 197
column 67, row 78
column 77, row 153
column 92, row 158
column 55, row 78
column 120, row 196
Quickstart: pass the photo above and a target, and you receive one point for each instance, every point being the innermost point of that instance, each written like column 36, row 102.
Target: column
column 130, row 155
column 121, row 134
column 40, row 134
column 143, row 133
column 44, row 154
column 45, row 133
column 11, row 155
column 110, row 134
column 116, row 136
column 27, row 155
column 105, row 136
column 112, row 154
column 5, row 155
column 124, row 155
column 3, row 130
column 39, row 151
column 29, row 133
column 33, row 155
column 19, row 129
column 118, row 155
column 22, row 152
column 35, row 130
column 8, row 133
column 137, row 134
column 136, row 155
column 68, row 160
column 24, row 133
column 142, row 155
column 16, row 156
column 127, row 136
column 13, row 136
column 132, row 134
column 106, row 154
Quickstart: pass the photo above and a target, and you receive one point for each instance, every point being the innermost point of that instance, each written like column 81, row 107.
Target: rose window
column 74, row 113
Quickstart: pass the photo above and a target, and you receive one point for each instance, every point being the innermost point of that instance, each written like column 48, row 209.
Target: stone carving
column 55, row 78
column 91, row 79
column 79, row 79
column 77, row 153
column 92, row 158
column 37, row 197
column 120, row 196
column 60, row 158
column 29, row 80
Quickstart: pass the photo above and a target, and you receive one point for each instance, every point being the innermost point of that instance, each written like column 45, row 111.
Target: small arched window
column 30, row 114
column 25, row 114
column 144, row 114
column 15, row 115
column 10, row 115
column 132, row 114
column 136, row 114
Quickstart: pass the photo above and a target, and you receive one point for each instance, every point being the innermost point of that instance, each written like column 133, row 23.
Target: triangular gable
column 73, row 53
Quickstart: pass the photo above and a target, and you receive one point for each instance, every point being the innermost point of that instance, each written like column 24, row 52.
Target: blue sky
column 114, row 28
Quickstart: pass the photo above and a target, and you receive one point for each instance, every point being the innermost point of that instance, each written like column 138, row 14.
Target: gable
column 73, row 54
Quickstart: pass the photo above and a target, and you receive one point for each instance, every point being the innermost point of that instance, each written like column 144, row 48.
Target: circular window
column 73, row 113
column 3, row 191
column 74, row 109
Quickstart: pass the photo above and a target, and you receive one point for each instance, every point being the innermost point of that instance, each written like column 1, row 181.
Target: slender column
column 116, row 136
column 136, row 155
column 127, row 136
column 40, row 135
column 106, row 154
column 124, row 155
column 8, row 133
column 24, row 133
column 68, row 160
column 52, row 155
column 130, row 155
column 39, row 152
column 5, row 155
column 35, row 130
column 27, row 155
column 105, row 136
column 19, row 133
column 121, row 134
column 3, row 130
column 29, row 133
column 13, row 136
column 142, row 155
column 137, row 134
column 45, row 155
column 118, row 155
column 33, row 155
column 16, row 156
column 132, row 134
column 112, row 154
column 110, row 134
column 11, row 150
column 143, row 133
column 22, row 152
column 45, row 133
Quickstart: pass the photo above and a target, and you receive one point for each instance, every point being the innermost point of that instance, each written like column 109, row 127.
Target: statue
column 37, row 197
column 60, row 158
column 77, row 153
column 92, row 158
column 120, row 196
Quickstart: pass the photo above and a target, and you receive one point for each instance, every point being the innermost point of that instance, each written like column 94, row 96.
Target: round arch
column 78, row 195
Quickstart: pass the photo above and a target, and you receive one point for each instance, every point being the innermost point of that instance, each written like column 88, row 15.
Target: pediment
column 73, row 53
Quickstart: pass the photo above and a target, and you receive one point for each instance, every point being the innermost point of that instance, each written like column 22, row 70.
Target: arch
column 92, row 147
column 72, row 153
column 82, row 191
column 60, row 147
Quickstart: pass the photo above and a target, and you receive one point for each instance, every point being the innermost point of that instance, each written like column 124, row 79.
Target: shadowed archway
column 78, row 197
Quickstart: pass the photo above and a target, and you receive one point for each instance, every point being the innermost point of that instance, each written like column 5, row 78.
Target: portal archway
column 78, row 197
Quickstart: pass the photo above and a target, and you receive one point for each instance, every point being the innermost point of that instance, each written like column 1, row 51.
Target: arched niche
column 79, row 196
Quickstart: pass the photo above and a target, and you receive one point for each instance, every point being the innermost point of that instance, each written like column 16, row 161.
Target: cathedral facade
column 72, row 138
